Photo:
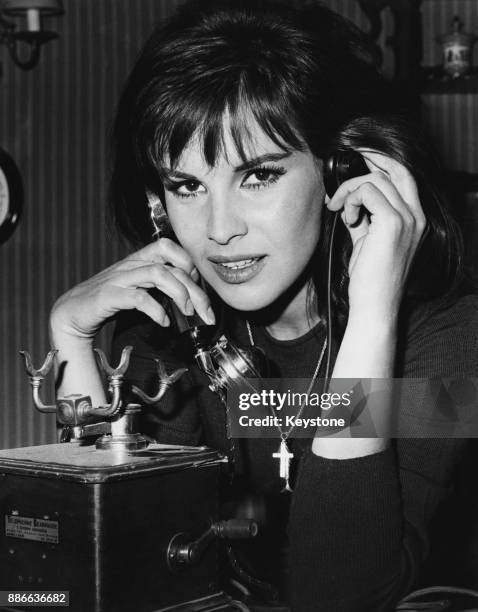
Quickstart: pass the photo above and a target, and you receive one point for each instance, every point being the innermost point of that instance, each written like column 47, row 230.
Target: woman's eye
column 188, row 189
column 262, row 177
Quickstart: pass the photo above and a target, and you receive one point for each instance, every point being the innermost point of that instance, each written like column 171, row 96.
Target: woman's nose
column 225, row 220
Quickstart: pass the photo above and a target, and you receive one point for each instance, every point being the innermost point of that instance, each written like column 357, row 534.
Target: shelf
column 445, row 85
column 434, row 81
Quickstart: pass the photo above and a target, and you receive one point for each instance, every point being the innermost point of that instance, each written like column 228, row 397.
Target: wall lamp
column 32, row 36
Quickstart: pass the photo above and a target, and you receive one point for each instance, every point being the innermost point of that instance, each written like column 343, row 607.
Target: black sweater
column 357, row 528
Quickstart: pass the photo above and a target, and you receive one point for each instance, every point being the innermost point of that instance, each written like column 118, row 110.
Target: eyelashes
column 256, row 178
column 189, row 187
column 270, row 174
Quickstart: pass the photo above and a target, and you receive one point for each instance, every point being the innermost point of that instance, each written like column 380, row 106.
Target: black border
column 15, row 189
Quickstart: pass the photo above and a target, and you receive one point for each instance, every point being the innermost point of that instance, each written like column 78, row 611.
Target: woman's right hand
column 164, row 265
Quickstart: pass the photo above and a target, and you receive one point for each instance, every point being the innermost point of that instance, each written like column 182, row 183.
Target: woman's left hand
column 384, row 241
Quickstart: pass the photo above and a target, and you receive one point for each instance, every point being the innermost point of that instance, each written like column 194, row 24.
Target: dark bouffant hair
column 307, row 77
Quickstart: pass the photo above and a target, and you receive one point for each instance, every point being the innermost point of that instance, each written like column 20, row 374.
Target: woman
column 227, row 120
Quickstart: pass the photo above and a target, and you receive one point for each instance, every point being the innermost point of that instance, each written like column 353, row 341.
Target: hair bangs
column 271, row 113
column 167, row 130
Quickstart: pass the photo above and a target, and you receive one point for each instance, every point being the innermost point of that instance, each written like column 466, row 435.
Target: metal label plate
column 28, row 528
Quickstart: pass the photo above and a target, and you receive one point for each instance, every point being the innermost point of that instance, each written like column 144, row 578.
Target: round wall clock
column 11, row 196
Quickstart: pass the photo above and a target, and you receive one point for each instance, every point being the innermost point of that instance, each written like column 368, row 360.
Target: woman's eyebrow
column 257, row 161
column 165, row 173
column 247, row 165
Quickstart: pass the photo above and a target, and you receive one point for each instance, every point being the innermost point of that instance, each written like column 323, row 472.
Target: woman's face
column 250, row 228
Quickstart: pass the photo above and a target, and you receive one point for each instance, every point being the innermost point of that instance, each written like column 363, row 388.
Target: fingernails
column 189, row 308
column 165, row 322
column 195, row 274
column 210, row 318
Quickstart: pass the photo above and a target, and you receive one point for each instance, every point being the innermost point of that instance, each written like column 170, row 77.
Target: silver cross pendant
column 285, row 457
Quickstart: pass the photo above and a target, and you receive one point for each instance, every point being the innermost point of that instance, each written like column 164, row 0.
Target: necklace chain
column 284, row 454
column 285, row 434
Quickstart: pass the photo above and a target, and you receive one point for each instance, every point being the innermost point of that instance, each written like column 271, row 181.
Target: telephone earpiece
column 341, row 166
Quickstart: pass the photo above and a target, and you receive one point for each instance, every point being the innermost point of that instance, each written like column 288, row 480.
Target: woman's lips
column 240, row 270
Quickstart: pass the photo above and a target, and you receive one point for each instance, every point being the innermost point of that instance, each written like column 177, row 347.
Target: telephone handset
column 224, row 363
column 341, row 166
